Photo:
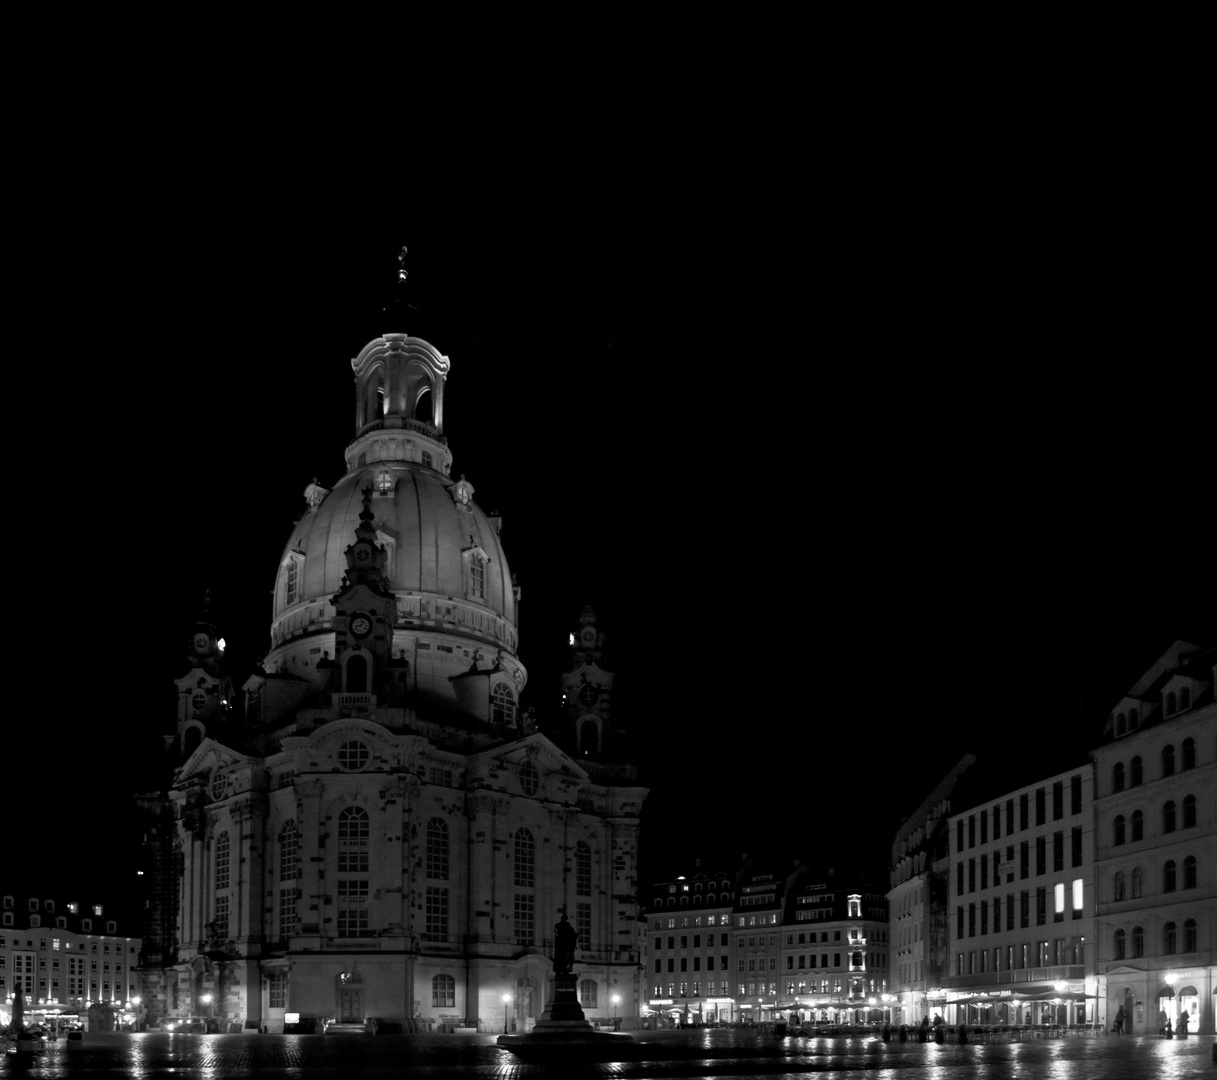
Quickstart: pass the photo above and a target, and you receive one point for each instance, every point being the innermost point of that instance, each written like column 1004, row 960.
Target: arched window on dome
column 1120, row 724
column 502, row 704
column 475, row 573
column 291, row 572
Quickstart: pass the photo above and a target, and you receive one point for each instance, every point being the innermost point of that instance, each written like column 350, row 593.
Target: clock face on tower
column 588, row 635
column 361, row 625
column 363, row 554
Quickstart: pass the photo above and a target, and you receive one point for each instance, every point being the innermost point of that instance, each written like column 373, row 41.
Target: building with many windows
column 688, row 951
column 758, row 946
column 1155, row 836
column 65, row 958
column 917, row 899
column 383, row 833
column 1021, row 906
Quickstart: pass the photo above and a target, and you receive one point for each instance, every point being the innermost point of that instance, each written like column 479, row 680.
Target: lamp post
column 616, row 1000
column 206, row 1000
column 506, row 1007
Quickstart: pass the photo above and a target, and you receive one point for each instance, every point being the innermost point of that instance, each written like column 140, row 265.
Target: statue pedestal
column 563, row 1033
column 563, row 1011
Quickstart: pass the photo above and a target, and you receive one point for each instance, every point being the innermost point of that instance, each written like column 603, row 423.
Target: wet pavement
column 722, row 1055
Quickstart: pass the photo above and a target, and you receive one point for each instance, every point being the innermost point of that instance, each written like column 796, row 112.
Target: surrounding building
column 688, row 950
column 835, row 950
column 1021, row 907
column 917, row 900
column 757, row 946
column 1155, row 837
column 384, row 834
column 68, row 960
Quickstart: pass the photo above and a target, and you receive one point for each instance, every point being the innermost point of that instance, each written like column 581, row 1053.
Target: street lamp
column 506, row 1006
column 616, row 1000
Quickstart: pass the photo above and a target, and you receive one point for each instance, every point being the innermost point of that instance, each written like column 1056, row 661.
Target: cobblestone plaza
column 721, row 1055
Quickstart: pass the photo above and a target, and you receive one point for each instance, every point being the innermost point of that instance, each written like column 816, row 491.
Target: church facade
column 383, row 835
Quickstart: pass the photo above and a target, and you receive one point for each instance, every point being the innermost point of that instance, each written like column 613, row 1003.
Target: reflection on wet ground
column 722, row 1055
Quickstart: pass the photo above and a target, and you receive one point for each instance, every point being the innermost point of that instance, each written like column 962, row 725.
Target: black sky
column 855, row 488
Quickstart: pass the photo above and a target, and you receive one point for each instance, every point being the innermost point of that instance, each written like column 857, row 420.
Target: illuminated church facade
column 384, row 834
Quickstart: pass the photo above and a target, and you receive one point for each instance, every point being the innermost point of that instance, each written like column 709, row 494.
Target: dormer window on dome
column 384, row 482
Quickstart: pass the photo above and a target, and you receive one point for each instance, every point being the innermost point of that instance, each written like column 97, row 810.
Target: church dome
column 443, row 558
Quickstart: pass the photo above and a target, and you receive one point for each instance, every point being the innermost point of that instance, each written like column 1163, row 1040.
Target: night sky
column 854, row 488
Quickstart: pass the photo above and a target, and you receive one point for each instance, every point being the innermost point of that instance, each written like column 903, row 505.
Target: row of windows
column 1136, row 771
column 994, row 816
column 994, row 859
column 1041, row 953
column 1120, row 826
column 1170, row 940
column 977, row 915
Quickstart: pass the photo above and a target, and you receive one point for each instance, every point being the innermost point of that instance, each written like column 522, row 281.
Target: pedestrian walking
column 1119, row 1028
column 1184, row 1020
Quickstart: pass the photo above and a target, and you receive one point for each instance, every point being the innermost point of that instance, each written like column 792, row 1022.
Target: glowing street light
column 616, row 1000
column 506, row 1007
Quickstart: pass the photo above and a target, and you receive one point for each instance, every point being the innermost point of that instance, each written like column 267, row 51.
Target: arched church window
column 1170, row 703
column 530, row 779
column 354, row 829
column 289, row 852
column 223, row 858
column 502, row 704
column 437, row 849
column 583, row 869
column 1118, row 943
column 1117, row 776
column 1134, row 772
column 1120, row 724
column 477, row 577
column 1138, row 825
column 1168, row 760
column 1138, row 942
column 1138, row 883
column 1117, row 886
column 589, row 993
column 1185, row 698
column 525, row 859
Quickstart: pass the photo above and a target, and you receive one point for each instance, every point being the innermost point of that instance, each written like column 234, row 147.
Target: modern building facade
column 65, row 958
column 383, row 834
column 1156, row 835
column 1021, row 907
column 918, row 897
